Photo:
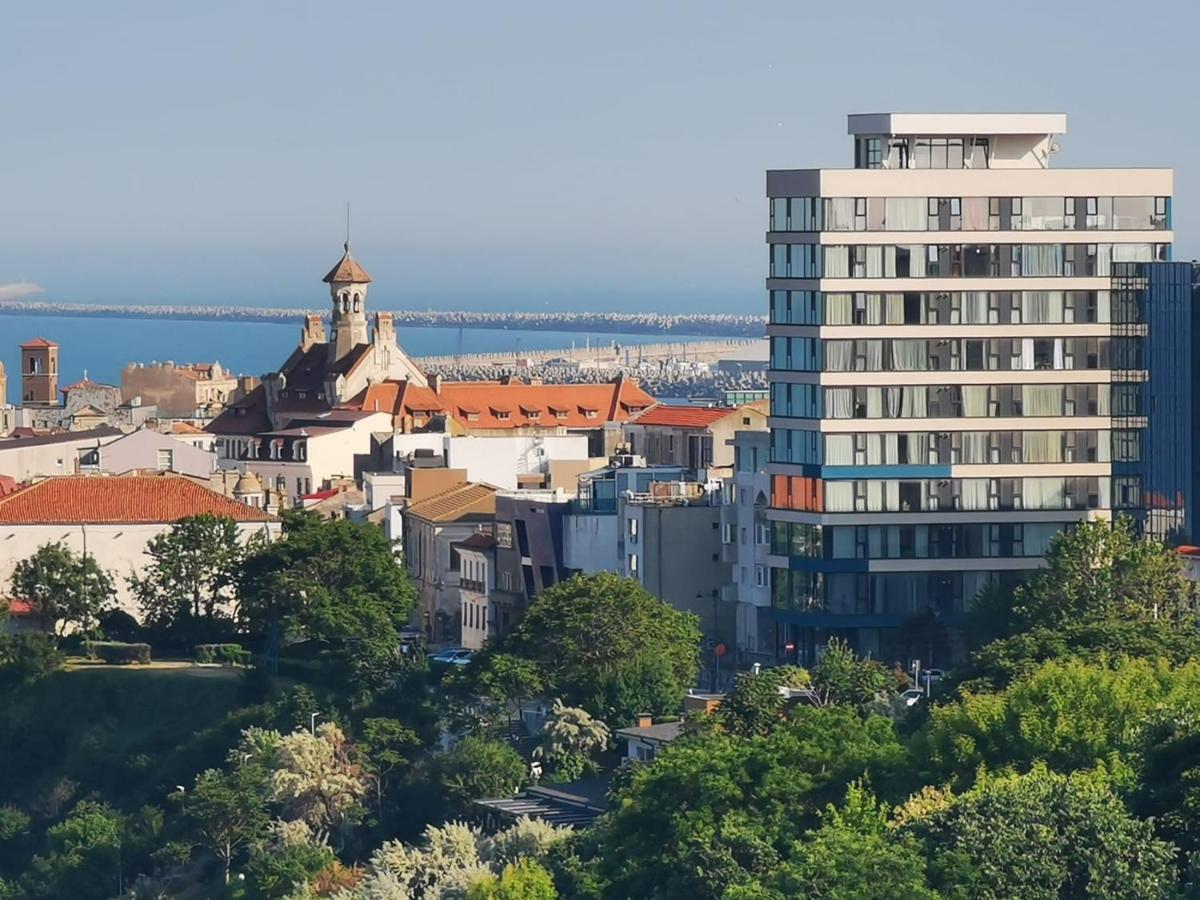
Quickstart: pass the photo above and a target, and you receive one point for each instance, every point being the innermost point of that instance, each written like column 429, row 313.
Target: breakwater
column 697, row 324
column 602, row 356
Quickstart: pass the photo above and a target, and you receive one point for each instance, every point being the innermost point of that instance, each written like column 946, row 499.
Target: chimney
column 385, row 328
column 313, row 332
column 435, row 382
column 645, row 720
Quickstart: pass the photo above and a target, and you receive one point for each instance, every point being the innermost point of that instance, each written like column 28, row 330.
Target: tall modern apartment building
column 953, row 379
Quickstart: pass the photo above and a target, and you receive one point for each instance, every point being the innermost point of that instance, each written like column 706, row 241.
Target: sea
column 102, row 347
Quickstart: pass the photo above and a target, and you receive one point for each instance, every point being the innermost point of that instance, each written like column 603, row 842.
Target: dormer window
column 300, row 451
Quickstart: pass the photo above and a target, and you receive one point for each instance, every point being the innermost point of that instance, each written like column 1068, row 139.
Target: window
column 166, row 460
column 726, row 533
column 633, row 564
column 632, row 530
column 760, row 576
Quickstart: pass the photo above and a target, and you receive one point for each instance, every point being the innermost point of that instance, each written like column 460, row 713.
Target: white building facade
column 942, row 356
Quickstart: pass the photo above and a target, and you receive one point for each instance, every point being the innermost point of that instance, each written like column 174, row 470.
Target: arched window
column 345, row 303
column 357, row 303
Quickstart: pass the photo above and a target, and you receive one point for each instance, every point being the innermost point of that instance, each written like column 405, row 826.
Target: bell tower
column 348, row 283
column 39, row 372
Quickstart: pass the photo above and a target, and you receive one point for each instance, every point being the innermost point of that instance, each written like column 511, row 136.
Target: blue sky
column 525, row 155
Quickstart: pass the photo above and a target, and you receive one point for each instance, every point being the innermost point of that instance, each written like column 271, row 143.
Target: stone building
column 195, row 392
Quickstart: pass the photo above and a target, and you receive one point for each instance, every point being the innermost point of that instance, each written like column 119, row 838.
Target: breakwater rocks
column 699, row 324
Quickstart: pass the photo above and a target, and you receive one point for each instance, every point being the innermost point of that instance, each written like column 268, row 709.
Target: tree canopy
column 64, row 590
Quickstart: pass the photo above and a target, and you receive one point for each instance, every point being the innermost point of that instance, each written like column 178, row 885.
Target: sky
column 518, row 155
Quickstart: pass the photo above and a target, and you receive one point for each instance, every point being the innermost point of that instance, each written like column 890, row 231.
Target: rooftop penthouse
column 955, row 140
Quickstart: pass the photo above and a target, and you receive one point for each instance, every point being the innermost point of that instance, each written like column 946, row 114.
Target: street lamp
column 312, row 723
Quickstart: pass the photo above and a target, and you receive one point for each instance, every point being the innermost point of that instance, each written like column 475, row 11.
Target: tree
column 387, row 746
column 228, row 810
column 569, row 738
column 332, row 580
column 1067, row 715
column 519, row 881
column 83, row 858
column 477, row 768
column 64, row 591
column 854, row 855
column 284, row 861
column 26, row 658
column 715, row 811
column 604, row 643
column 1041, row 836
column 841, row 677
column 316, row 780
column 190, row 583
column 755, row 705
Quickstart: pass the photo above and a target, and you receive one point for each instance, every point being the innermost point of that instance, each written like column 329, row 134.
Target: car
column 912, row 696
column 932, row 676
column 454, row 656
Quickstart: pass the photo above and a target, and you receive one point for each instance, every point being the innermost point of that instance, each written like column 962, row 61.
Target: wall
column 590, row 543
column 499, row 460
column 26, row 460
column 139, row 450
column 121, row 548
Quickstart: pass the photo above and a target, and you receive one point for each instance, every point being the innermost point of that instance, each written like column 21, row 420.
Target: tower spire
column 347, row 244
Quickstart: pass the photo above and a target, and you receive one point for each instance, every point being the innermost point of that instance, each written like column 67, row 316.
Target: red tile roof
column 347, row 270
column 20, row 608
column 544, row 405
column 136, row 499
column 683, row 416
column 398, row 398
column 38, row 343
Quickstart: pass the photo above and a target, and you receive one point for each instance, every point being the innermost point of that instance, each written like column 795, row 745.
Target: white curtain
column 839, row 496
column 839, row 449
column 838, row 355
column 1102, row 403
column 1103, row 446
column 908, row 355
column 1041, row 307
column 874, row 309
column 1026, row 355
column 839, row 403
column 894, row 401
column 874, row 262
column 1042, row 447
column 837, row 261
column 916, row 260
column 894, row 306
column 873, row 356
column 974, row 447
column 1042, row 259
column 875, row 403
column 1044, row 493
column 975, row 400
column 974, row 308
column 973, row 493
column 974, row 213
column 839, row 214
column 914, row 404
column 838, row 309
column 906, row 214
column 920, row 446
column 1042, row 399
column 1059, row 360
column 891, row 450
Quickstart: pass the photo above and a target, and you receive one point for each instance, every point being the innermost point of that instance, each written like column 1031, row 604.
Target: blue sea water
column 102, row 347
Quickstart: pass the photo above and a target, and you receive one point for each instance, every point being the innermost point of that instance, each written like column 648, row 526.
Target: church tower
column 348, row 283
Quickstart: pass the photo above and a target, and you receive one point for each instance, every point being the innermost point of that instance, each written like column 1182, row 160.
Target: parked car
column 912, row 696
column 455, row 656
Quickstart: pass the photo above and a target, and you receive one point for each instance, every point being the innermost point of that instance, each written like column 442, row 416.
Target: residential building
column 187, row 433
column 111, row 519
column 745, row 546
column 529, row 551
column 692, row 436
column 433, row 528
column 645, row 740
column 147, row 450
column 33, row 456
column 944, row 379
column 310, row 454
column 476, row 584
column 671, row 541
column 592, row 540
column 506, row 461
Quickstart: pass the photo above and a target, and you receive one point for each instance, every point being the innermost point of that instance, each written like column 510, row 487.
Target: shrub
column 226, row 654
column 25, row 658
column 117, row 652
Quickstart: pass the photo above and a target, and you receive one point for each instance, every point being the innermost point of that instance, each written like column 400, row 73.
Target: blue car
column 455, row 656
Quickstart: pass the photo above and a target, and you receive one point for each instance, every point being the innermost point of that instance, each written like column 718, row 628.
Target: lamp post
column 312, row 723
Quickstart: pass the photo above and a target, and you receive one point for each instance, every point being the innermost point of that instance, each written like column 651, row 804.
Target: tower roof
column 40, row 342
column 347, row 270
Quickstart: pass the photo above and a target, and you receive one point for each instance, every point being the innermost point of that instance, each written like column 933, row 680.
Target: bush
column 226, row 654
column 24, row 658
column 117, row 652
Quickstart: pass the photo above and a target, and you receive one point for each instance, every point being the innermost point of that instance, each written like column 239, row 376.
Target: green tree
column 1069, row 715
column 285, row 861
column 715, row 811
column 332, row 580
column 26, row 658
column 477, row 768
column 841, row 677
column 755, row 704
column 569, row 738
column 604, row 643
column 1041, row 836
column 854, row 855
column 316, row 779
column 83, row 858
column 64, row 590
column 388, row 747
column 189, row 585
column 227, row 811
column 524, row 880
column 1169, row 777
